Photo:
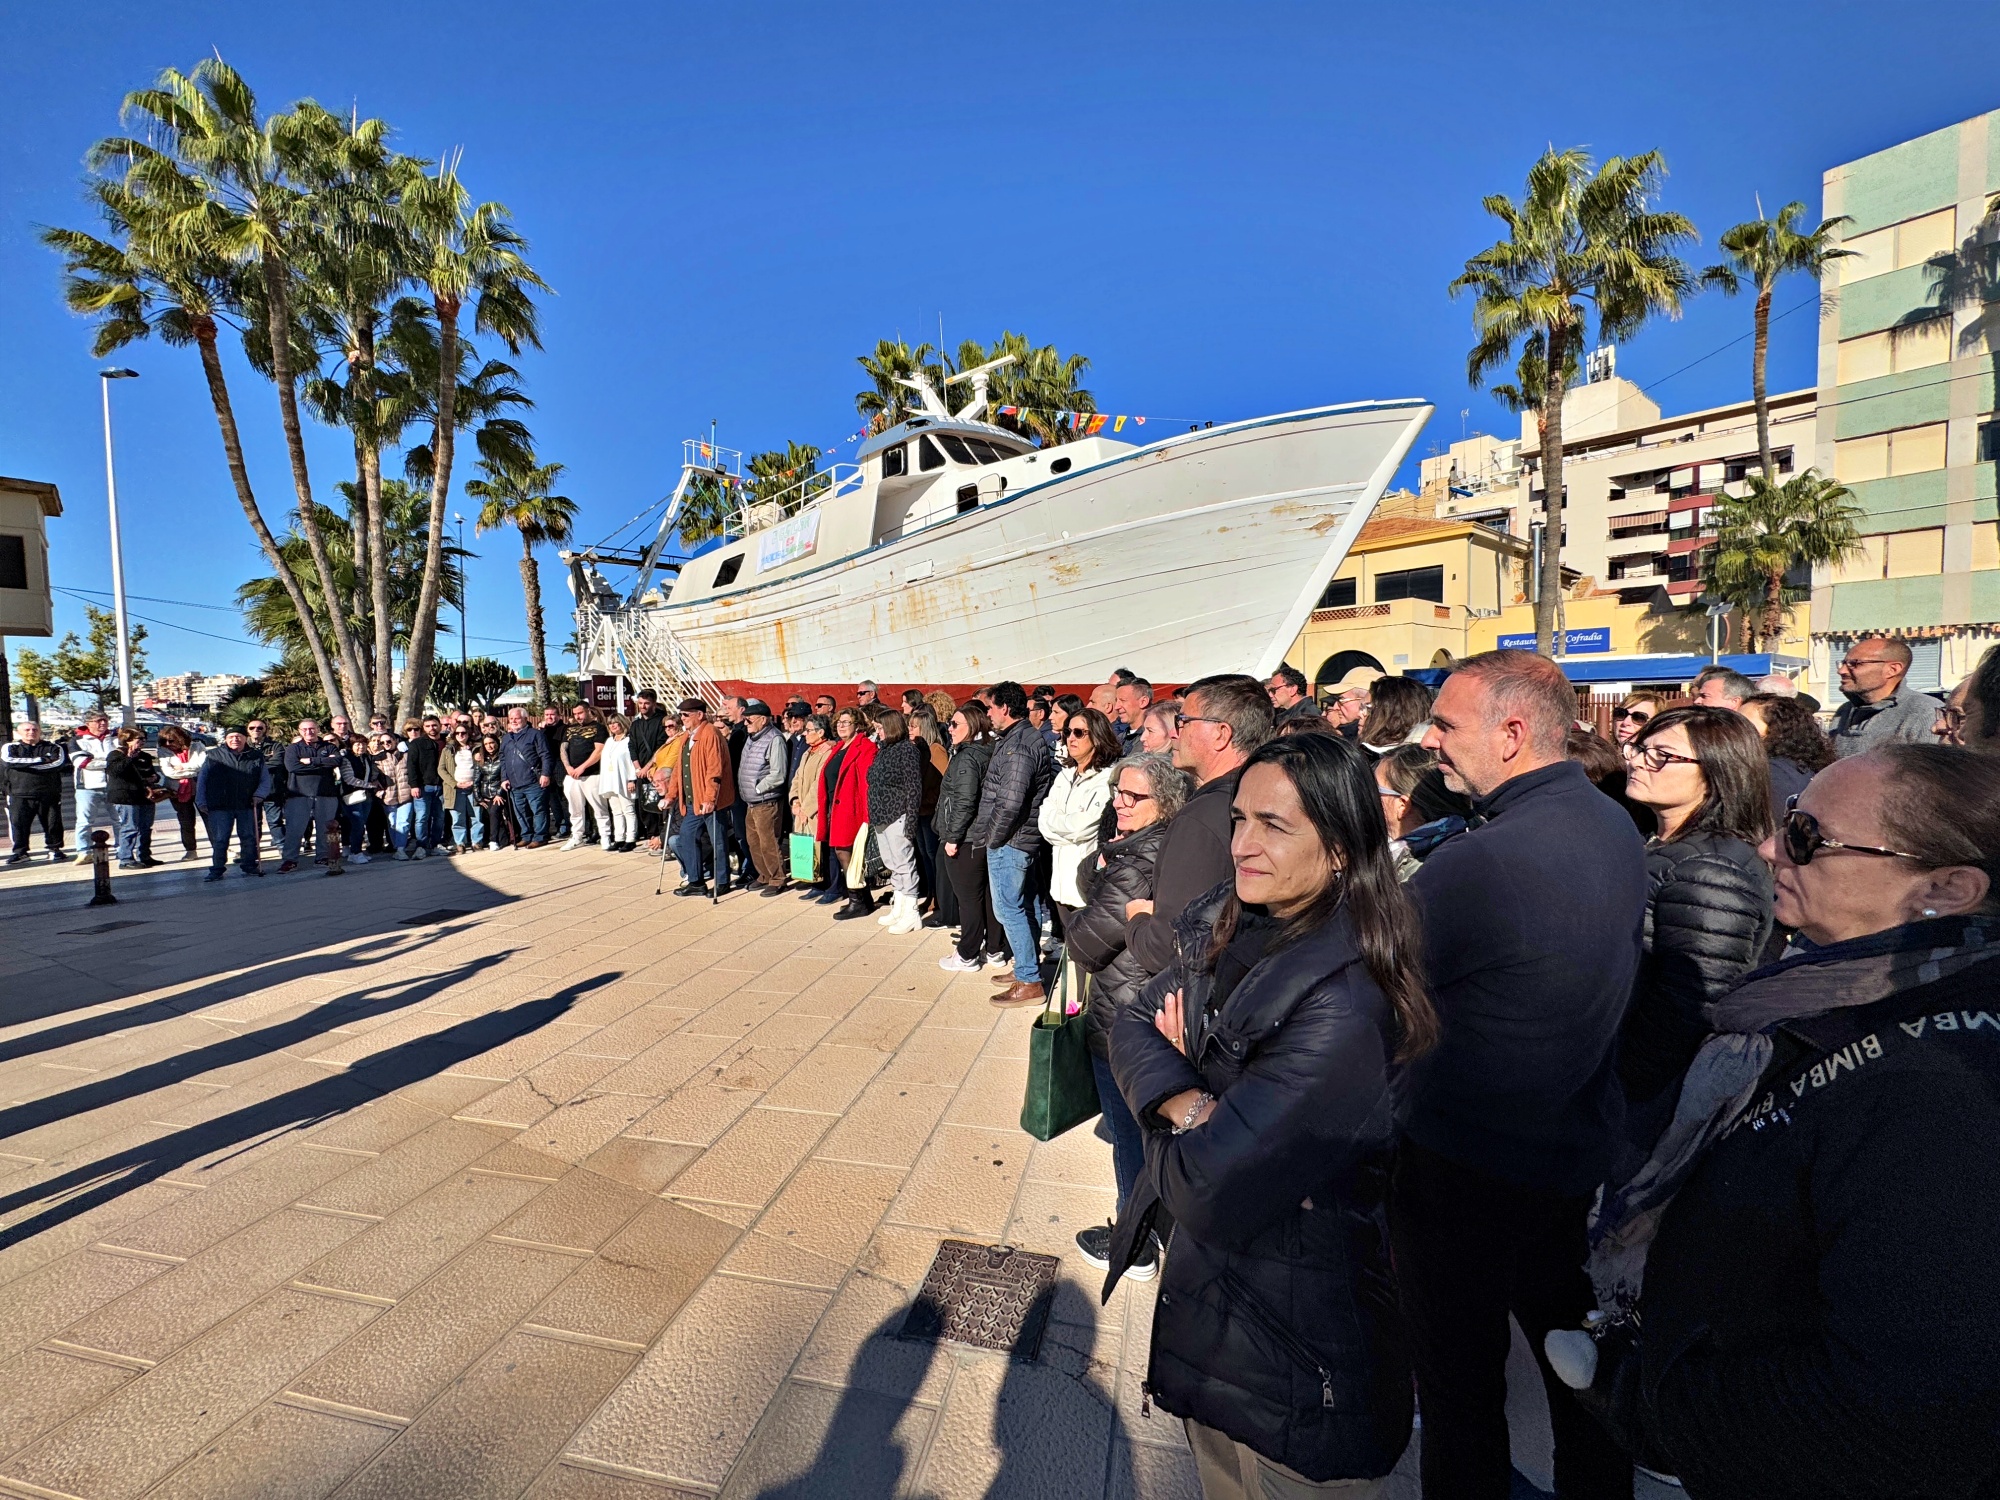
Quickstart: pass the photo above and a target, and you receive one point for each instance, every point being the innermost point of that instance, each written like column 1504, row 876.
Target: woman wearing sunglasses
column 1629, row 717
column 1073, row 812
column 1702, row 772
column 1819, row 1310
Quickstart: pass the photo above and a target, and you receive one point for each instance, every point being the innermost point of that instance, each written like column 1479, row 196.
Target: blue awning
column 1657, row 669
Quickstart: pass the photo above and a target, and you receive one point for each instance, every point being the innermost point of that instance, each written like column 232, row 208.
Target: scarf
column 1723, row 1080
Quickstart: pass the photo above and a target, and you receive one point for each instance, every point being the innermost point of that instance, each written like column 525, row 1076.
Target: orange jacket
column 707, row 767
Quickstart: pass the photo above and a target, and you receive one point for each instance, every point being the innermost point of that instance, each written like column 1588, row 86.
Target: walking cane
column 721, row 855
column 665, row 844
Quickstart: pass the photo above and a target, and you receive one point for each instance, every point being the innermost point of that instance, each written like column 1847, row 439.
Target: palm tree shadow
column 61, row 1198
column 1049, row 1421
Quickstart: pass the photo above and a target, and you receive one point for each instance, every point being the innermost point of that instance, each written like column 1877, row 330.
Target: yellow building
column 1417, row 591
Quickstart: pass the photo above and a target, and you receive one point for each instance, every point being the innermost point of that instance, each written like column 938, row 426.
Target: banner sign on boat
column 788, row 541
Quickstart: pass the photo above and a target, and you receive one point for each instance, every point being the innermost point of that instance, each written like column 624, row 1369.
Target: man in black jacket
column 526, row 768
column 1010, row 801
column 1531, row 940
column 648, row 732
column 1226, row 718
column 553, row 732
column 33, row 771
column 312, row 775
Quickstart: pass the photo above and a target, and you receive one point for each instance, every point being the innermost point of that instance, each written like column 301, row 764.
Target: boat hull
column 1202, row 554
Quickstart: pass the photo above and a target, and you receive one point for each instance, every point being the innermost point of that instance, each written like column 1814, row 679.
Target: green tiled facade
column 1955, row 613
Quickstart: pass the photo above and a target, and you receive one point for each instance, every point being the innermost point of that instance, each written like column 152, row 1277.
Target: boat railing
column 759, row 511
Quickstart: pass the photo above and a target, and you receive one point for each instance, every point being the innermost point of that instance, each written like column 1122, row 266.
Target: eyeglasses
column 1657, row 757
column 1856, row 663
column 1803, row 839
column 1637, row 716
column 1181, row 721
column 1387, row 791
column 1119, row 794
column 1952, row 718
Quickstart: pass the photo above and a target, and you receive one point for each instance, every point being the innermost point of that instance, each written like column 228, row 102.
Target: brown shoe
column 1005, row 976
column 1023, row 994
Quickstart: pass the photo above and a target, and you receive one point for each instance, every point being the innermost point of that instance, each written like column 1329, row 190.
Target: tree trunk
column 1774, row 609
column 531, row 585
column 278, row 315
column 357, row 522
column 1549, row 417
column 378, row 534
column 1759, row 349
column 423, row 629
column 232, row 449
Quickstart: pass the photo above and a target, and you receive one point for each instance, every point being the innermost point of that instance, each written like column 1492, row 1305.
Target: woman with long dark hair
column 1702, row 771
column 1399, row 710
column 982, row 940
column 1262, row 1065
column 895, row 796
column 1072, row 813
column 844, row 813
column 180, row 767
column 1795, row 745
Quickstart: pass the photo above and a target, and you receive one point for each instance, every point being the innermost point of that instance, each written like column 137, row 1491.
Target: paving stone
column 391, row 1258
column 695, row 1115
column 646, row 1165
column 937, row 1055
column 964, row 1182
column 41, row 1389
column 580, row 1212
column 278, row 1452
column 635, row 1031
column 889, row 1125
column 86, row 1228
column 173, row 1309
column 716, row 1367
column 815, row 1442
column 41, row 1305
column 1013, row 1431
column 580, row 1127
column 664, row 1066
column 154, row 1423
column 856, row 1344
column 751, row 1161
column 375, row 1126
column 1148, row 1472
column 880, row 1023
column 831, row 1208
column 497, row 1428
column 405, row 1357
column 763, row 1257
column 826, row 1080
column 573, row 1482
column 991, row 1094
column 640, row 1277
column 1078, row 1157
column 406, row 1170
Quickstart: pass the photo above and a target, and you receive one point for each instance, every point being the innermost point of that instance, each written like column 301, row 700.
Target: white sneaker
column 357, row 858
column 606, row 846
column 951, row 963
column 574, row 841
column 493, row 844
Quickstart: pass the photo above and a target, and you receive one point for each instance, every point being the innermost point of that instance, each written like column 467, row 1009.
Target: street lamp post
column 127, row 708
column 464, row 692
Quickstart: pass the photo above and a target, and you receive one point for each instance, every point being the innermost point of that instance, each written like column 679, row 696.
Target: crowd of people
column 1410, row 1012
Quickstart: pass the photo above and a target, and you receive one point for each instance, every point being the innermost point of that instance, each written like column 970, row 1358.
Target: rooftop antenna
column 978, row 377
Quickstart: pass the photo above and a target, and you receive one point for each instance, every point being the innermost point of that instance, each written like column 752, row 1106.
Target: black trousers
column 23, row 810
column 979, row 929
column 1469, row 1250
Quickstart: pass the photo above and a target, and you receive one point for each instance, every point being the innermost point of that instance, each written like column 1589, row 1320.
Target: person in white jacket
column 616, row 778
column 93, row 748
column 1073, row 811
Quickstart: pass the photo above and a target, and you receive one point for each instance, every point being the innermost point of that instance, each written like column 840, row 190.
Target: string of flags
column 1083, row 423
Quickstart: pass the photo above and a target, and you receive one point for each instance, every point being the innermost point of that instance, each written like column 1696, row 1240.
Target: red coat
column 849, row 804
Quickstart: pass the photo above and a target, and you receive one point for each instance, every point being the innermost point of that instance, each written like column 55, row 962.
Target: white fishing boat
column 953, row 553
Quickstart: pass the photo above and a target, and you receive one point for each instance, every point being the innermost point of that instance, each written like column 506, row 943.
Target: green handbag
column 1062, row 1089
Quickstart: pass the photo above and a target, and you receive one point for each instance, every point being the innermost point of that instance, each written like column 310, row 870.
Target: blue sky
column 1232, row 209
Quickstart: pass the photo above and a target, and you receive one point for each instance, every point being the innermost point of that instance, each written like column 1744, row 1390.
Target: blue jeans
column 688, row 849
column 467, row 821
column 403, row 825
column 353, row 827
column 531, row 811
column 430, row 816
column 1007, row 873
column 221, row 822
column 1128, row 1140
column 134, row 822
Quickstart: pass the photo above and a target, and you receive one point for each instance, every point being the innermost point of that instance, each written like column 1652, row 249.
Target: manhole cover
column 100, row 927
column 429, row 918
column 988, row 1296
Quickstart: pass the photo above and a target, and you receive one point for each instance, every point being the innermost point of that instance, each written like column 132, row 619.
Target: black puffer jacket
column 1116, row 873
column 1010, row 798
column 895, row 787
column 1708, row 917
column 1821, row 1315
column 958, row 798
column 1277, row 1320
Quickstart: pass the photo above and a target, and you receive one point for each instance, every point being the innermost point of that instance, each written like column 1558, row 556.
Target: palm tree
column 1762, row 251
column 1581, row 237
column 461, row 252
column 1760, row 537
column 209, row 133
column 1040, row 383
column 788, row 475
column 893, row 360
column 145, row 280
column 520, row 497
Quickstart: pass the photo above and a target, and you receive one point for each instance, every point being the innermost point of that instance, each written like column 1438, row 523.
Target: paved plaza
column 506, row 1177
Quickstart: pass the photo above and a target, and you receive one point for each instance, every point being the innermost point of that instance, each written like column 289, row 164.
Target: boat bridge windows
column 928, row 457
column 895, row 461
column 936, row 450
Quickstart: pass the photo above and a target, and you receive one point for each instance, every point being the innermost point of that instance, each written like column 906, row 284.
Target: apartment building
column 1907, row 417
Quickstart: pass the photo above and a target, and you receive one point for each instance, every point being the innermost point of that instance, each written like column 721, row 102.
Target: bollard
column 100, row 869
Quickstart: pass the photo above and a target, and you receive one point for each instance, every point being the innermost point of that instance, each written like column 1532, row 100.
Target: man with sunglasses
column 1223, row 720
column 1880, row 709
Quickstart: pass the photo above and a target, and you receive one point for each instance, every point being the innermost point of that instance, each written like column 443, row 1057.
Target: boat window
column 968, row 498
column 1060, row 466
column 955, row 446
column 928, row 456
column 985, row 452
column 726, row 574
column 895, row 461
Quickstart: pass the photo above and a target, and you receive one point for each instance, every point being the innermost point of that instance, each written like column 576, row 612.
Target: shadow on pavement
column 862, row 1455
column 97, row 1182
column 376, row 1000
